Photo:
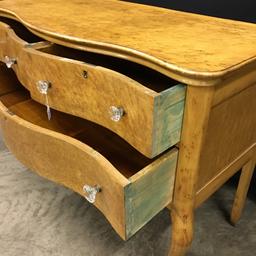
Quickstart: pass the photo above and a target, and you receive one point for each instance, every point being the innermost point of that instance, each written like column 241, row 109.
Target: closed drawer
column 75, row 152
column 139, row 104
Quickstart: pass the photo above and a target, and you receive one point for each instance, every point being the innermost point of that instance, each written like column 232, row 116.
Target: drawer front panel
column 128, row 204
column 133, row 187
column 3, row 37
column 66, row 161
column 91, row 97
column 150, row 121
column 11, row 45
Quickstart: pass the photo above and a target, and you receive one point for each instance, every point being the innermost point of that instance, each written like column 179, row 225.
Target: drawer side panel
column 168, row 116
column 149, row 192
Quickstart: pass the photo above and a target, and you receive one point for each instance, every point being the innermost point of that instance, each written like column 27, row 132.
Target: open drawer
column 139, row 104
column 127, row 187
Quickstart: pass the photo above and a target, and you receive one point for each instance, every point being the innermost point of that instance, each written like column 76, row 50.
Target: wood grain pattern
column 92, row 97
column 150, row 190
column 4, row 28
column 73, row 164
column 35, row 113
column 168, row 116
column 196, row 117
column 234, row 85
column 103, row 141
column 156, row 37
column 68, row 162
column 34, row 211
column 242, row 190
column 218, row 131
column 14, row 98
column 224, row 175
column 231, row 132
column 100, row 139
column 95, row 156
column 11, row 45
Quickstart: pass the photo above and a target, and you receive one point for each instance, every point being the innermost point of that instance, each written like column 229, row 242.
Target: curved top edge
column 182, row 74
column 100, row 159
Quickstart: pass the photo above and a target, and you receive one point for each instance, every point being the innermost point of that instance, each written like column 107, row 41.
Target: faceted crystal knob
column 91, row 192
column 43, row 86
column 9, row 61
column 116, row 113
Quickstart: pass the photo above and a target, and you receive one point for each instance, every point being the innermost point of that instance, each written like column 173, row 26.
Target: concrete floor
column 38, row 217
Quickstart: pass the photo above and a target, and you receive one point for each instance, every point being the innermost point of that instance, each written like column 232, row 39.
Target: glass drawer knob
column 9, row 61
column 43, row 86
column 91, row 192
column 116, row 113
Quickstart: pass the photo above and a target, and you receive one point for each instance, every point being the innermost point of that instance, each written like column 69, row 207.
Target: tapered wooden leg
column 241, row 193
column 196, row 115
column 182, row 233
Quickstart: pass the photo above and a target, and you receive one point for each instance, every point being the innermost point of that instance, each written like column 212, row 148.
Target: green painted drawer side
column 168, row 116
column 150, row 193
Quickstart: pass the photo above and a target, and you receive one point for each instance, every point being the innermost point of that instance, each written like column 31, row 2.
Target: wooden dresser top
column 187, row 45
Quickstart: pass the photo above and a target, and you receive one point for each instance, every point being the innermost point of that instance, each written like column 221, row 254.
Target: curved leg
column 196, row 115
column 241, row 193
column 182, row 233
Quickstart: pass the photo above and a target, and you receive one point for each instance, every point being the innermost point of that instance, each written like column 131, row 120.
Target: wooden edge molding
column 191, row 77
column 233, row 85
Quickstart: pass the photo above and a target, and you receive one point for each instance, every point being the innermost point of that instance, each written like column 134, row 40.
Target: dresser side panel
column 230, row 134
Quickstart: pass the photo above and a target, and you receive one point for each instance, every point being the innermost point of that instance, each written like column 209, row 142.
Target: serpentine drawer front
column 125, row 185
column 120, row 95
column 94, row 95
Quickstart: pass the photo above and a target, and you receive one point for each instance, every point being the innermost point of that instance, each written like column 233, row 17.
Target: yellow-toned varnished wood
column 86, row 153
column 47, row 152
column 224, row 174
column 90, row 97
column 157, row 37
column 230, row 134
column 241, row 193
column 13, row 98
column 196, row 117
column 218, row 134
column 72, row 163
column 218, row 138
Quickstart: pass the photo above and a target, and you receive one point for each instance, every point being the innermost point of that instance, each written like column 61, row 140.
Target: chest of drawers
column 134, row 116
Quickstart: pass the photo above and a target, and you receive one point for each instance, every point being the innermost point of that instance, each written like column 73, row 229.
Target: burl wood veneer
column 186, row 85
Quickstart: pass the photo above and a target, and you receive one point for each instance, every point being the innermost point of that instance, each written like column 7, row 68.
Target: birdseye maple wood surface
column 214, row 58
column 148, row 98
column 182, row 43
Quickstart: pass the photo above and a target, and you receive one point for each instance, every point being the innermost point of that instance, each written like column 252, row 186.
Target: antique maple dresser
column 134, row 107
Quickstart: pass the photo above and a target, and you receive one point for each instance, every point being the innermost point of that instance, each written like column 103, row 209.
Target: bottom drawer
column 126, row 186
